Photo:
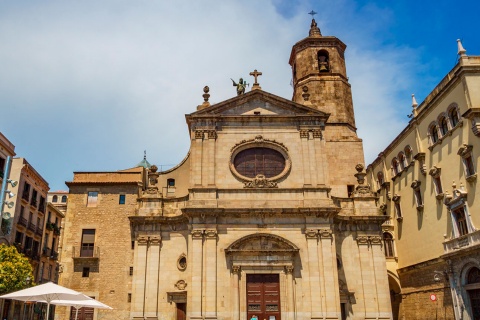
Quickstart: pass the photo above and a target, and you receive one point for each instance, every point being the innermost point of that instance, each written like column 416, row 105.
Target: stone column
column 329, row 274
column 212, row 138
column 320, row 158
column 306, row 157
column 381, row 278
column 368, row 278
column 197, row 155
column 210, row 274
column 151, row 283
column 139, row 273
column 313, row 278
column 195, row 294
column 290, row 302
column 236, row 293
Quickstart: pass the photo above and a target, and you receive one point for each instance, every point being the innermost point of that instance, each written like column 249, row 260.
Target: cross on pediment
column 255, row 74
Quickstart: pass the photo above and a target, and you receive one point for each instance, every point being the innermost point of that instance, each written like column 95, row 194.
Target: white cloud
column 100, row 81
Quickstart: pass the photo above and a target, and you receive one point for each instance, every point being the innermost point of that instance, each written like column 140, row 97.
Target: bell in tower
column 318, row 62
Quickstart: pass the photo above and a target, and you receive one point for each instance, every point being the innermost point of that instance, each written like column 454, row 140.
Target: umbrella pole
column 48, row 309
column 76, row 313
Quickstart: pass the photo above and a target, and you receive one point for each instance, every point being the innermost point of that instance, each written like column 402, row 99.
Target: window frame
column 453, row 115
column 92, row 198
column 389, row 245
column 433, row 134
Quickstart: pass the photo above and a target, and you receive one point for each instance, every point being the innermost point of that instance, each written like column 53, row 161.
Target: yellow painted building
column 426, row 179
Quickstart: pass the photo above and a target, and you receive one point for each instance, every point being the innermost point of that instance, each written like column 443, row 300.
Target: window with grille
column 254, row 161
column 388, row 243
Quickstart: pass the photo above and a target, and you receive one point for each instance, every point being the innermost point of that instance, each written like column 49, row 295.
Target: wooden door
column 475, row 303
column 263, row 296
column 181, row 311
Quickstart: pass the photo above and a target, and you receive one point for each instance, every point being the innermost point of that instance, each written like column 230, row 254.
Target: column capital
column 362, row 240
column 311, row 233
column 211, row 234
column 236, row 269
column 289, row 269
column 325, row 233
column 197, row 233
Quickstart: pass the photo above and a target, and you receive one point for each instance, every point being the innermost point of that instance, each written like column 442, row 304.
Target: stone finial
column 414, row 105
column 314, row 29
column 205, row 95
column 461, row 49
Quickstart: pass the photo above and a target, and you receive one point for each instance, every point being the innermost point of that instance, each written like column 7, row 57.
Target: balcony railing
column 86, row 252
column 32, row 227
column 46, row 252
column 33, row 203
column 463, row 242
column 23, row 222
column 39, row 230
column 41, row 208
column 32, row 254
column 25, row 195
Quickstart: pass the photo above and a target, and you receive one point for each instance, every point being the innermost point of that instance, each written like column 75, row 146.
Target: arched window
column 443, row 125
column 453, row 114
column 408, row 154
column 388, row 245
column 433, row 133
column 380, row 179
column 254, row 161
column 323, row 61
column 54, row 198
column 402, row 161
column 394, row 166
column 64, row 199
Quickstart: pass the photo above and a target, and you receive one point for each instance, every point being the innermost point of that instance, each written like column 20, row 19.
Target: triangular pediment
column 257, row 103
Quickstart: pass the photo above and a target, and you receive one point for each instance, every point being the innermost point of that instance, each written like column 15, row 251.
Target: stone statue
column 240, row 86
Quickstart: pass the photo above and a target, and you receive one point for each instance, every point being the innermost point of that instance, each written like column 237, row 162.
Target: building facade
column 426, row 179
column 266, row 218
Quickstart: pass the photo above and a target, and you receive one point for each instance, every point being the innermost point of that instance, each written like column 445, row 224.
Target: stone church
column 268, row 217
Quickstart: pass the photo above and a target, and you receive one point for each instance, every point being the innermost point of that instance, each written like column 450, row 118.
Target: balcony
column 26, row 195
column 86, row 252
column 33, row 203
column 23, row 222
column 32, row 227
column 46, row 252
column 463, row 242
column 32, row 254
column 41, row 208
column 39, row 230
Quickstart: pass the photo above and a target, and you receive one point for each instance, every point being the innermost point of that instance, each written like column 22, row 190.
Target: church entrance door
column 181, row 311
column 263, row 296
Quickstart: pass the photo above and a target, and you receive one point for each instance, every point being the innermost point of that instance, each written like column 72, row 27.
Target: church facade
column 267, row 217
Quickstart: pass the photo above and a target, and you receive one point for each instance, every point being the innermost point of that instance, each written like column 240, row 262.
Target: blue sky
column 88, row 85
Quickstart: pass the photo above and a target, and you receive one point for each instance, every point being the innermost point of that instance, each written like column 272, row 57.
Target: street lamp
column 4, row 190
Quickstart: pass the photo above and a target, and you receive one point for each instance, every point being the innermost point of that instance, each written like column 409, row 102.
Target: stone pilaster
column 210, row 274
column 139, row 276
column 381, row 278
column 236, row 293
column 331, row 295
column 197, row 155
column 151, row 278
column 195, row 294
column 290, row 315
column 314, row 274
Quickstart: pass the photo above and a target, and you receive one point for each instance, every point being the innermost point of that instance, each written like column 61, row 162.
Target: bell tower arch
column 318, row 62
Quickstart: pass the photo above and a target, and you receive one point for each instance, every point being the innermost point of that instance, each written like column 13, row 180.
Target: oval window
column 254, row 161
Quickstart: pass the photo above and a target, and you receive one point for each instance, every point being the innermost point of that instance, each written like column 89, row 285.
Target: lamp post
column 5, row 182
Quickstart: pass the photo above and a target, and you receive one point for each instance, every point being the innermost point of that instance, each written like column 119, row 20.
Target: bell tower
column 318, row 65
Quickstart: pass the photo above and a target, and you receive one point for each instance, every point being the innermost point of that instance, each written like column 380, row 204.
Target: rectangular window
column 33, row 201
column 133, row 245
column 85, row 272
column 131, row 271
column 469, row 168
column 88, row 243
column 461, row 221
column 26, row 191
column 19, row 237
column 92, row 199
column 418, row 197
column 398, row 211
column 121, row 199
column 438, row 185
column 129, row 297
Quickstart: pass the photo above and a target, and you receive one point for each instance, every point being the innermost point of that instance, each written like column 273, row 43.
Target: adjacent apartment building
column 426, row 179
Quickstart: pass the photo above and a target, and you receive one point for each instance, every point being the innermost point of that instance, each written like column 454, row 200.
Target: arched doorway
column 473, row 289
column 395, row 296
column 262, row 266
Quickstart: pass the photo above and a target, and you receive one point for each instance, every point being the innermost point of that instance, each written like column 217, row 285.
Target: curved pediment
column 262, row 242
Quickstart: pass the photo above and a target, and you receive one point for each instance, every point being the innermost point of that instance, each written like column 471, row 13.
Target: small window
column 408, row 154
column 171, row 183
column 350, row 189
column 401, row 161
column 453, row 115
column 86, row 272
column 129, row 297
column 92, row 199
column 380, row 179
column 131, row 271
column 133, row 244
column 121, row 199
column 394, row 166
column 54, row 199
column 398, row 211
column 88, row 243
column 64, row 199
column 438, row 185
column 388, row 244
column 460, row 221
column 443, row 126
column 437, row 182
column 465, row 152
column 433, row 133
